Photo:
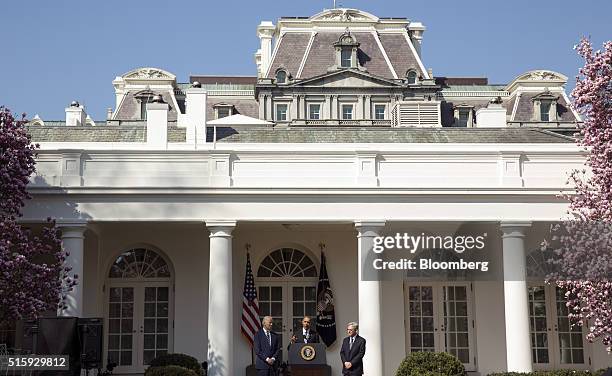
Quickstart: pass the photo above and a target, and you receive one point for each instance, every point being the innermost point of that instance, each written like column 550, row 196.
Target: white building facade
column 343, row 136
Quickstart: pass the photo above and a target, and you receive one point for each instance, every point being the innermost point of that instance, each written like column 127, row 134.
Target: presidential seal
column 308, row 353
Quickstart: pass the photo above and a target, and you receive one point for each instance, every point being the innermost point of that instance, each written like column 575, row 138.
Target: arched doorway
column 287, row 290
column 139, row 310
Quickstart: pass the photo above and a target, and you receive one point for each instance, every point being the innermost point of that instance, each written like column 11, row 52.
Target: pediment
column 145, row 74
column 344, row 15
column 346, row 78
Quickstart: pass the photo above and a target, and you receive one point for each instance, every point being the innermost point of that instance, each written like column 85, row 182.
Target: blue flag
column 326, row 317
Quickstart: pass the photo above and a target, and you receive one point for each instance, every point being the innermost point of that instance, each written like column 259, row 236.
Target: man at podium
column 306, row 335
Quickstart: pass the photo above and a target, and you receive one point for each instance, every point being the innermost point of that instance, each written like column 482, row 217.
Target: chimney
column 75, row 115
column 157, row 123
column 416, row 30
column 265, row 31
column 493, row 116
column 195, row 111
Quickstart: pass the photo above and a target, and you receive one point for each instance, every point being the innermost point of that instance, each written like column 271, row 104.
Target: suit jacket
column 263, row 349
column 299, row 334
column 353, row 355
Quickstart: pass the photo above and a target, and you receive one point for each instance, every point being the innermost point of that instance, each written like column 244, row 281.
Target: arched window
column 281, row 77
column 411, row 77
column 287, row 262
column 139, row 263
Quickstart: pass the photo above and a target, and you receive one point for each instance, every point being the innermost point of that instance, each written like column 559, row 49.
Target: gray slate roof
column 399, row 53
column 130, row 106
column 322, row 54
column 137, row 133
column 246, row 107
column 103, row 133
column 524, row 110
column 389, row 135
column 290, row 53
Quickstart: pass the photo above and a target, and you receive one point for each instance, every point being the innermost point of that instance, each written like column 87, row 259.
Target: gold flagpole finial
column 322, row 246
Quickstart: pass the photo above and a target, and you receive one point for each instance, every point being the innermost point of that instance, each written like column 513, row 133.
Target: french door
column 139, row 324
column 554, row 342
column 439, row 318
column 287, row 303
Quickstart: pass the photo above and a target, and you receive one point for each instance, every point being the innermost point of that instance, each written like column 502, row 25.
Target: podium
column 308, row 359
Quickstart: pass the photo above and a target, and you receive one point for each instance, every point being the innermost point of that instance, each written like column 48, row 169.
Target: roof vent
column 196, row 84
column 424, row 113
column 74, row 104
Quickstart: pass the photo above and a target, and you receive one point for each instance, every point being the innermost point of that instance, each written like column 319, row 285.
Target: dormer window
column 346, row 57
column 545, row 110
column 346, row 51
column 144, row 97
column 281, row 76
column 411, row 77
column 464, row 116
column 223, row 110
column 545, row 107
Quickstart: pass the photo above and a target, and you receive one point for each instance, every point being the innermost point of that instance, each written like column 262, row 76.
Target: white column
column 220, row 301
column 370, row 325
column 73, row 243
column 516, row 301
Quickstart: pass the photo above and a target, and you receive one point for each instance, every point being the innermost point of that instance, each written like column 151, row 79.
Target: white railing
column 492, row 94
column 233, row 93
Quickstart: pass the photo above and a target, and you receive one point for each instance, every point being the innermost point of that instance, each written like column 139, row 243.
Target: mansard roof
column 309, row 54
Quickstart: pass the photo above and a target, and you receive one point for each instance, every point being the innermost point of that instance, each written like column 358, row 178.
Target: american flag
column 250, row 307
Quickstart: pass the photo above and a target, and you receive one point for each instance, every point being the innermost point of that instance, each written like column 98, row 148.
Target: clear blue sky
column 57, row 51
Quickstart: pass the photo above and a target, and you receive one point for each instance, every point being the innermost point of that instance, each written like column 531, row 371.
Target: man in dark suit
column 352, row 351
column 306, row 335
column 267, row 349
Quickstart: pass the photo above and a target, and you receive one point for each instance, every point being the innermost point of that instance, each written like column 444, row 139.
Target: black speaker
column 90, row 334
column 59, row 336
column 30, row 329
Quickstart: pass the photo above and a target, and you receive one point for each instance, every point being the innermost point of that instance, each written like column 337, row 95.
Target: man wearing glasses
column 352, row 351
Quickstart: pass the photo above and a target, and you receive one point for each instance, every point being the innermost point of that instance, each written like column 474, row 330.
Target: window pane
column 411, row 76
column 223, row 112
column 281, row 77
column 346, row 58
column 314, row 111
column 463, row 118
column 545, row 111
column 281, row 112
column 379, row 112
column 347, row 112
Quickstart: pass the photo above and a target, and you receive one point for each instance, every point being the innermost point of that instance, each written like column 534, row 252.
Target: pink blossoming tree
column 584, row 252
column 33, row 278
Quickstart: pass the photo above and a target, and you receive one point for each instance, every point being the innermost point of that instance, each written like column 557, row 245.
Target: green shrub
column 181, row 360
column 170, row 371
column 562, row 372
column 430, row 364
